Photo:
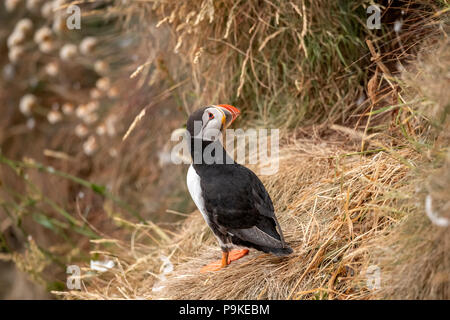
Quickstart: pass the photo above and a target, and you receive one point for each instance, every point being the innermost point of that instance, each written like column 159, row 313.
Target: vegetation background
column 86, row 119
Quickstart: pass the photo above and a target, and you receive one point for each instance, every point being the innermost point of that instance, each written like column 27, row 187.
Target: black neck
column 208, row 152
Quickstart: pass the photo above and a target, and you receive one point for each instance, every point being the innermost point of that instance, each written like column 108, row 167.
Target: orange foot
column 227, row 257
column 236, row 254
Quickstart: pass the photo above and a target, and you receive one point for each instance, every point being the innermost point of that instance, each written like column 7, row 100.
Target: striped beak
column 231, row 113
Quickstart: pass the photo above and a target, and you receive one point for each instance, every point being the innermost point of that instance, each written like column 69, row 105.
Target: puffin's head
column 208, row 122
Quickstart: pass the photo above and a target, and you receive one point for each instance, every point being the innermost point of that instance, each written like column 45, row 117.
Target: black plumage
column 239, row 208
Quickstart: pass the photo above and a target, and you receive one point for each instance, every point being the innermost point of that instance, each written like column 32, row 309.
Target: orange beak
column 230, row 110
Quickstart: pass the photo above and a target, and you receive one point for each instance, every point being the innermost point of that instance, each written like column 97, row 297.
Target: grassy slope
column 343, row 211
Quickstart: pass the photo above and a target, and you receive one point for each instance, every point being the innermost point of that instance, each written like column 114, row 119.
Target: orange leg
column 236, row 254
column 233, row 255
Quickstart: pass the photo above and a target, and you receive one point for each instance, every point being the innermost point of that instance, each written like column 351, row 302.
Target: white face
column 207, row 123
column 213, row 120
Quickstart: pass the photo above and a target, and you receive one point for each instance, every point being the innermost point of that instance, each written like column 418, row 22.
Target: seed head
column 24, row 25
column 47, row 46
column 81, row 130
column 15, row 54
column 47, row 10
column 68, row 108
column 103, row 84
column 33, row 5
column 87, row 45
column 43, row 34
column 101, row 67
column 16, row 38
column 90, row 145
column 52, row 69
column 95, row 93
column 113, row 92
column 68, row 52
column 101, row 129
column 27, row 103
column 54, row 116
column 11, row 5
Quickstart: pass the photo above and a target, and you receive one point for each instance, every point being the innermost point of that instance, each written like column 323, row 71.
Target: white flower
column 101, row 129
column 27, row 103
column 103, row 84
column 47, row 9
column 101, row 67
column 52, row 69
column 11, row 5
column 24, row 25
column 95, row 93
column 54, row 116
column 33, row 5
column 86, row 112
column 87, row 45
column 113, row 92
column 15, row 53
column 90, row 146
column 81, row 111
column 90, row 118
column 111, row 125
column 16, row 38
column 81, row 130
column 68, row 52
column 47, row 46
column 43, row 34
column 67, row 108
column 92, row 106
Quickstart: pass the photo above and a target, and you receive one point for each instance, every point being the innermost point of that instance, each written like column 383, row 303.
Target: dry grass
column 415, row 258
column 330, row 203
column 284, row 63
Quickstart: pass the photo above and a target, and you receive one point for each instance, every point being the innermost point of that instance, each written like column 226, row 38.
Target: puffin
column 231, row 198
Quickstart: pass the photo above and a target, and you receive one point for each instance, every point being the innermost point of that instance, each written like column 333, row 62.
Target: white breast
column 193, row 183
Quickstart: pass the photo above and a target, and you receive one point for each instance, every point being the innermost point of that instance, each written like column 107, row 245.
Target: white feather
column 193, row 184
column 194, row 187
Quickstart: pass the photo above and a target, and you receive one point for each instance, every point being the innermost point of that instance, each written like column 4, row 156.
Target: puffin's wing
column 241, row 206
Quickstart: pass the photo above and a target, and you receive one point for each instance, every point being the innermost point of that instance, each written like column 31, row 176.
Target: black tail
column 284, row 251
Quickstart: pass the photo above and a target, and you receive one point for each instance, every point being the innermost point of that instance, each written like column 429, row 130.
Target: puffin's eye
column 210, row 115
